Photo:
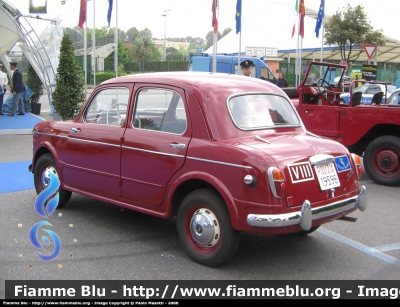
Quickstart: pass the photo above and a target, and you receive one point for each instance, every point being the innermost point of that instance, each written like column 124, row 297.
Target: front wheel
column 382, row 160
column 41, row 177
column 205, row 229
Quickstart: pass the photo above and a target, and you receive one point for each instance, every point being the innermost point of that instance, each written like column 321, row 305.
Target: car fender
column 179, row 178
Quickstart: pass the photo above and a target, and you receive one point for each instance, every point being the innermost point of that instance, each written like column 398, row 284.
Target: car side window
column 160, row 110
column 373, row 89
column 394, row 99
column 108, row 107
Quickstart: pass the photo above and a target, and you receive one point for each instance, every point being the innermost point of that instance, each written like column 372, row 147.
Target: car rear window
column 259, row 111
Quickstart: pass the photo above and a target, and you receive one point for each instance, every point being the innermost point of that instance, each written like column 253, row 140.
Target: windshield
column 391, row 89
column 258, row 111
column 361, row 88
column 323, row 72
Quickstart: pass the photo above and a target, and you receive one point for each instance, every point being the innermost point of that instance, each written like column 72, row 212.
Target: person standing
column 17, row 88
column 247, row 68
column 3, row 87
column 281, row 82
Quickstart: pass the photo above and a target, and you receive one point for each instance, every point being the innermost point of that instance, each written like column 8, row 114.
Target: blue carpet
column 15, row 176
column 27, row 121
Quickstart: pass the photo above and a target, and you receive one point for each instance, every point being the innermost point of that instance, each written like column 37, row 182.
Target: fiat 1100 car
column 221, row 154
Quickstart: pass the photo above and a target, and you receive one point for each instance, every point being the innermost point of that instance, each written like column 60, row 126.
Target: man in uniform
column 247, row 67
column 17, row 88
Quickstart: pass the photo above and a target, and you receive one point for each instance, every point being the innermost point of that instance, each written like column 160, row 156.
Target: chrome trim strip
column 259, row 138
column 141, row 182
column 306, row 215
column 51, row 134
column 94, row 142
column 321, row 159
column 153, row 152
column 219, row 162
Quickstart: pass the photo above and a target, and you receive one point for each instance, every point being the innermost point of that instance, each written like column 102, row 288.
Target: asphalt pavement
column 101, row 242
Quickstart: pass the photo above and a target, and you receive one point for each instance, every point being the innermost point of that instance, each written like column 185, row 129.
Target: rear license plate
column 327, row 176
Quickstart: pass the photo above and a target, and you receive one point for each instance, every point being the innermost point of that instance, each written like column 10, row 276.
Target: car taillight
column 358, row 164
column 276, row 182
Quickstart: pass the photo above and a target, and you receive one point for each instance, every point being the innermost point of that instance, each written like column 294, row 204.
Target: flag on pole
column 238, row 16
column 320, row 17
column 296, row 17
column 302, row 12
column 82, row 14
column 215, row 15
column 110, row 7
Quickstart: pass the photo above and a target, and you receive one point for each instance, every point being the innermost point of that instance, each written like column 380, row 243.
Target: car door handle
column 76, row 130
column 176, row 145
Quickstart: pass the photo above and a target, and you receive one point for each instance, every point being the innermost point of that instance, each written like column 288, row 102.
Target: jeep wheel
column 205, row 229
column 382, row 160
column 43, row 166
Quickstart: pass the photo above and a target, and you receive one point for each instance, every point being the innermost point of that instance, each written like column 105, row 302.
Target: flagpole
column 300, row 59
column 215, row 39
column 240, row 37
column 116, row 39
column 297, row 50
column 94, row 45
column 322, row 40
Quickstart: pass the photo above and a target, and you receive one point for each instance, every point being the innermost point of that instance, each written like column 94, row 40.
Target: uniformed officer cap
column 13, row 63
column 246, row 63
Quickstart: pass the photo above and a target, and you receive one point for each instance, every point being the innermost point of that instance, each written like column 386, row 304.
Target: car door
column 94, row 144
column 321, row 119
column 155, row 144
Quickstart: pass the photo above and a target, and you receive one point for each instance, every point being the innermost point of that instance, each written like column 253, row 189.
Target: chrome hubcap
column 204, row 228
column 46, row 176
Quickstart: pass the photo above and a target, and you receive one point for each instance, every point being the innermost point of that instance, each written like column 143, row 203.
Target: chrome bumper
column 306, row 215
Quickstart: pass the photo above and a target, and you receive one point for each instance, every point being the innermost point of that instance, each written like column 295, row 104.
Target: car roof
column 201, row 82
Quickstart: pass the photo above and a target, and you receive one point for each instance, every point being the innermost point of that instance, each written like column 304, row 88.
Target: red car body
column 219, row 176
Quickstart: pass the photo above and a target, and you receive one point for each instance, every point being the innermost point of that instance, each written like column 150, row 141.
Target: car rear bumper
column 306, row 215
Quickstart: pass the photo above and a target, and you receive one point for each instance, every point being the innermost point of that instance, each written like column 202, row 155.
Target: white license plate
column 327, row 176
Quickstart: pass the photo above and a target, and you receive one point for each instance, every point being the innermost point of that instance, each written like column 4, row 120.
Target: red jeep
column 371, row 131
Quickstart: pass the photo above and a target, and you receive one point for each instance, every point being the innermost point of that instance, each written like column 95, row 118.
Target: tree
column 171, row 49
column 175, row 56
column 348, row 29
column 146, row 33
column 143, row 48
column 123, row 54
column 132, row 34
column 69, row 95
column 35, row 84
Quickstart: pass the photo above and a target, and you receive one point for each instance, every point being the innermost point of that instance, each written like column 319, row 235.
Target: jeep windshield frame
column 323, row 74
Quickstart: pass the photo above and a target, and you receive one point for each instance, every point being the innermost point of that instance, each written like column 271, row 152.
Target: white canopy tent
column 42, row 53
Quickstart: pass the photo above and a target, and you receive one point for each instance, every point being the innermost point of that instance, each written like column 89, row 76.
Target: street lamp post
column 165, row 33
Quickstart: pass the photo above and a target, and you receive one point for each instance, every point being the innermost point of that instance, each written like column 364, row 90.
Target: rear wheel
column 43, row 166
column 205, row 229
column 382, row 160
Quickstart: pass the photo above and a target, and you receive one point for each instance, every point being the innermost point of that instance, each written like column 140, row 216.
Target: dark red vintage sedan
column 223, row 153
